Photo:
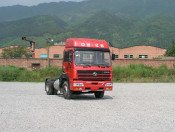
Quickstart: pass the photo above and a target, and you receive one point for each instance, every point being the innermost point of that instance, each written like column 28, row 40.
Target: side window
column 70, row 56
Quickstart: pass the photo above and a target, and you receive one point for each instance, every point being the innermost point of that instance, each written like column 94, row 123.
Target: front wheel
column 66, row 91
column 99, row 94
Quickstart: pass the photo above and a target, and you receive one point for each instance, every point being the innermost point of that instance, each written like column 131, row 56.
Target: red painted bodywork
column 86, row 43
column 71, row 69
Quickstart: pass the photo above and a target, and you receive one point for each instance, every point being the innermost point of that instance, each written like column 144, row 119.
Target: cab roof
column 86, row 43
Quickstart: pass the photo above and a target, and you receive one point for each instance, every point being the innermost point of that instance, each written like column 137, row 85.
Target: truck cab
column 87, row 68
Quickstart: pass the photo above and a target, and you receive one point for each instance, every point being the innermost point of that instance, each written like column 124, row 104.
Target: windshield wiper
column 84, row 64
column 103, row 65
column 88, row 65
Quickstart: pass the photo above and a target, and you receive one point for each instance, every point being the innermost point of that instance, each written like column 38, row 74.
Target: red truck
column 86, row 68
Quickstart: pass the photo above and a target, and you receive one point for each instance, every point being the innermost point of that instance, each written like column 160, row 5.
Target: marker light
column 108, row 89
column 78, row 88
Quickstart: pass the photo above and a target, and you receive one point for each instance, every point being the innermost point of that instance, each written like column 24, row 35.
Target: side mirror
column 113, row 56
column 66, row 56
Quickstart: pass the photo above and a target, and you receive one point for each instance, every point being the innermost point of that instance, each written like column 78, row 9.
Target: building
column 54, row 52
column 1, row 51
column 136, row 52
column 126, row 56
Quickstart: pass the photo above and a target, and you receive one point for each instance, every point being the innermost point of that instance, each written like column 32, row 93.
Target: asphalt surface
column 130, row 107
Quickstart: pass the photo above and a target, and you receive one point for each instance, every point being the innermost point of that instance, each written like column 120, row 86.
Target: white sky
column 28, row 2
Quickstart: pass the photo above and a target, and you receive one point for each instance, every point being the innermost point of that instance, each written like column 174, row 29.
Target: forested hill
column 123, row 22
column 35, row 26
column 159, row 30
column 76, row 12
column 123, row 32
column 106, row 26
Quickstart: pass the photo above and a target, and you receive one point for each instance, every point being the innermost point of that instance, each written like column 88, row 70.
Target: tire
column 55, row 92
column 99, row 94
column 49, row 87
column 66, row 90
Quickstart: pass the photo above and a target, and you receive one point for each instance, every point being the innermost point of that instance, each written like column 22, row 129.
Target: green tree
column 16, row 52
column 171, row 50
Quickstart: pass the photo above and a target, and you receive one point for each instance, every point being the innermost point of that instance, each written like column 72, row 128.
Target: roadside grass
column 142, row 73
column 13, row 73
column 136, row 73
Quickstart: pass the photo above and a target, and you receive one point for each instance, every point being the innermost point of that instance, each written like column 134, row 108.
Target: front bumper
column 92, row 86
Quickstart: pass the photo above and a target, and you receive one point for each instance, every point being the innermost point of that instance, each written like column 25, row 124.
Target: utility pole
column 49, row 40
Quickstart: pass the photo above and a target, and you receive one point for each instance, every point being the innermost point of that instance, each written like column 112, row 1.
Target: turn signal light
column 78, row 88
column 109, row 89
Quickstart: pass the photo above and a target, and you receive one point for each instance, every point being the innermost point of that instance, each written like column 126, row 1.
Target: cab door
column 65, row 62
column 68, row 63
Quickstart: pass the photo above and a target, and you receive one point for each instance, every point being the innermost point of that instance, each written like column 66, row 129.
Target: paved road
column 130, row 108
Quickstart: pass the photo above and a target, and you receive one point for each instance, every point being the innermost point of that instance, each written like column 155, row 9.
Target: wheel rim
column 47, row 87
column 65, row 90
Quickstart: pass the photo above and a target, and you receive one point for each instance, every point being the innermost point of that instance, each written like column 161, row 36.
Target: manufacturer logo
column 106, row 72
column 94, row 74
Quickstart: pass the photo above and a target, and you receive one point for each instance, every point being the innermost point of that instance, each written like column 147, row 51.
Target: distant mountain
column 157, row 31
column 121, row 31
column 77, row 12
column 34, row 26
column 106, row 26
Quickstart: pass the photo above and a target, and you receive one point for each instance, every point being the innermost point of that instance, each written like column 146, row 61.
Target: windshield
column 92, row 58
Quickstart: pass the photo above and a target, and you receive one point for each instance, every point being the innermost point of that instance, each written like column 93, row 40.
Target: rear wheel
column 66, row 90
column 99, row 94
column 55, row 91
column 49, row 88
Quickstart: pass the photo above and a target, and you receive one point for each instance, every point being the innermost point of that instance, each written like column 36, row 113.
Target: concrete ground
column 130, row 107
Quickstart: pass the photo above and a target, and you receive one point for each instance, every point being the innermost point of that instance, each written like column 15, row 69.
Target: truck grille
column 93, row 75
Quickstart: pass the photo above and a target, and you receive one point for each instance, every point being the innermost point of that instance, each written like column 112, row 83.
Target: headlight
column 78, row 84
column 108, row 84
